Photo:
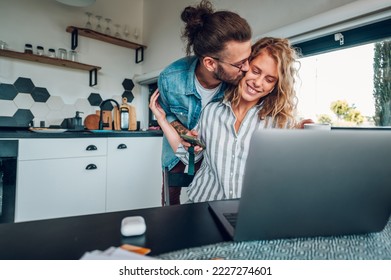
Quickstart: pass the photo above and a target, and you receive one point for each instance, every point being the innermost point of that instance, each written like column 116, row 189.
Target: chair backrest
column 172, row 179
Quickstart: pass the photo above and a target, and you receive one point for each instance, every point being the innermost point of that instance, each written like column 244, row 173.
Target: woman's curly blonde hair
column 280, row 104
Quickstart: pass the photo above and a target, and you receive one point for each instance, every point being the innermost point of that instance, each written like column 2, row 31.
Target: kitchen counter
column 78, row 134
column 85, row 172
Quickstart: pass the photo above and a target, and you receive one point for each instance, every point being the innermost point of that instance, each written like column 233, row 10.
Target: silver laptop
column 303, row 183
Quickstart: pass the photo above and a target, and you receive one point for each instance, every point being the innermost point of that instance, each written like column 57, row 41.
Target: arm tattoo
column 179, row 127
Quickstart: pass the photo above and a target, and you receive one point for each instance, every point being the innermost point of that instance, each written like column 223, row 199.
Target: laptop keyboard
column 231, row 218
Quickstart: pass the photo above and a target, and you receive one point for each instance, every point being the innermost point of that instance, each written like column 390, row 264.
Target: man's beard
column 221, row 75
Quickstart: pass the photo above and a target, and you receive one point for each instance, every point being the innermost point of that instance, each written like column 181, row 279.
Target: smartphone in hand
column 193, row 140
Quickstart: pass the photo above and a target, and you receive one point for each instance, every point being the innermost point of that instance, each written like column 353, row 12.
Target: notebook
column 305, row 183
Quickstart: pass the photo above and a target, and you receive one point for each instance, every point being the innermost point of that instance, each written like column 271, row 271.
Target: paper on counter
column 113, row 253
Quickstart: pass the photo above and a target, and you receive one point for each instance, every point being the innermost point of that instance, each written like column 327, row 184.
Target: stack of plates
column 47, row 130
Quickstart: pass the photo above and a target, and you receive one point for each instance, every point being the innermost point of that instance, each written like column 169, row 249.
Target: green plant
column 346, row 112
column 323, row 118
column 340, row 108
column 382, row 83
column 354, row 116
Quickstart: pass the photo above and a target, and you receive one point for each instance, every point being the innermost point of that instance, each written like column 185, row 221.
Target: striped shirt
column 221, row 173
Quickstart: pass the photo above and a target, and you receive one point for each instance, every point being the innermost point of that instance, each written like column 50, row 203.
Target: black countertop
column 169, row 229
column 25, row 133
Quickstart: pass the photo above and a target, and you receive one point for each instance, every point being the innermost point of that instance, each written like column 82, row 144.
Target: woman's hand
column 186, row 145
column 301, row 124
column 155, row 107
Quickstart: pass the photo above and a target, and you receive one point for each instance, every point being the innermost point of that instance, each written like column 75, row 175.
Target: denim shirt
column 180, row 100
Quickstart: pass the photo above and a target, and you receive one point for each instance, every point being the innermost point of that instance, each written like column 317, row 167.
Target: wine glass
column 126, row 31
column 136, row 34
column 108, row 30
column 98, row 26
column 88, row 24
column 117, row 34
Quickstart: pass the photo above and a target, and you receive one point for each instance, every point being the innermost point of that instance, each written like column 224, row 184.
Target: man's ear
column 209, row 63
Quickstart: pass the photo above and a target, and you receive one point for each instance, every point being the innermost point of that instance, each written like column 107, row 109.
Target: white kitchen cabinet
column 60, row 177
column 134, row 176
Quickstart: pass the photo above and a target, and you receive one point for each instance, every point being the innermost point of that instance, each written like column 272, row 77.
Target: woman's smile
column 251, row 90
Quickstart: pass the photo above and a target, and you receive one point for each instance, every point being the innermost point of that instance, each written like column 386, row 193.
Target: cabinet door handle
column 91, row 148
column 91, row 166
column 122, row 146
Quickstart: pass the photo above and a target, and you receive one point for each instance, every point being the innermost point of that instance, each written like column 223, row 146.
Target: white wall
column 43, row 22
column 162, row 23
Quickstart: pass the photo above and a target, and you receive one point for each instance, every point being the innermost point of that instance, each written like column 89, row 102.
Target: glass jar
column 62, row 53
column 3, row 45
column 28, row 48
column 40, row 50
column 52, row 53
column 73, row 56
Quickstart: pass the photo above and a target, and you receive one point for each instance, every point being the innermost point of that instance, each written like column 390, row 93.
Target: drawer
column 31, row 149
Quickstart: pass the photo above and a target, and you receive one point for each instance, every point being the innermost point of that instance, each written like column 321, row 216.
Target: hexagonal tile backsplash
column 25, row 102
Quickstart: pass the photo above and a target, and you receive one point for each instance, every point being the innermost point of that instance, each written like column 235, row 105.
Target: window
column 346, row 77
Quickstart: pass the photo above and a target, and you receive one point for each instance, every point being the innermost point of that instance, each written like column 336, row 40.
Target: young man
column 221, row 43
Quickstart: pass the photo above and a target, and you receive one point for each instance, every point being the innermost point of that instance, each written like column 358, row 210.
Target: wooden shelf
column 52, row 61
column 105, row 38
column 48, row 60
column 75, row 31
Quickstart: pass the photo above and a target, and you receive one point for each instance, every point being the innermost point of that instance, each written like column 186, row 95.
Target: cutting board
column 91, row 122
column 107, row 119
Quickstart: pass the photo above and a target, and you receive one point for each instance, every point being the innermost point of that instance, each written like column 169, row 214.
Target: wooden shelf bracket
column 75, row 41
column 93, row 77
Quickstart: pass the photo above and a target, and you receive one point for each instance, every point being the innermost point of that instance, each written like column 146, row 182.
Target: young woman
column 220, row 42
column 264, row 98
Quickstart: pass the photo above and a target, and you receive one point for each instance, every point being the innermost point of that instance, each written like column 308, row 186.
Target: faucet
column 101, row 125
